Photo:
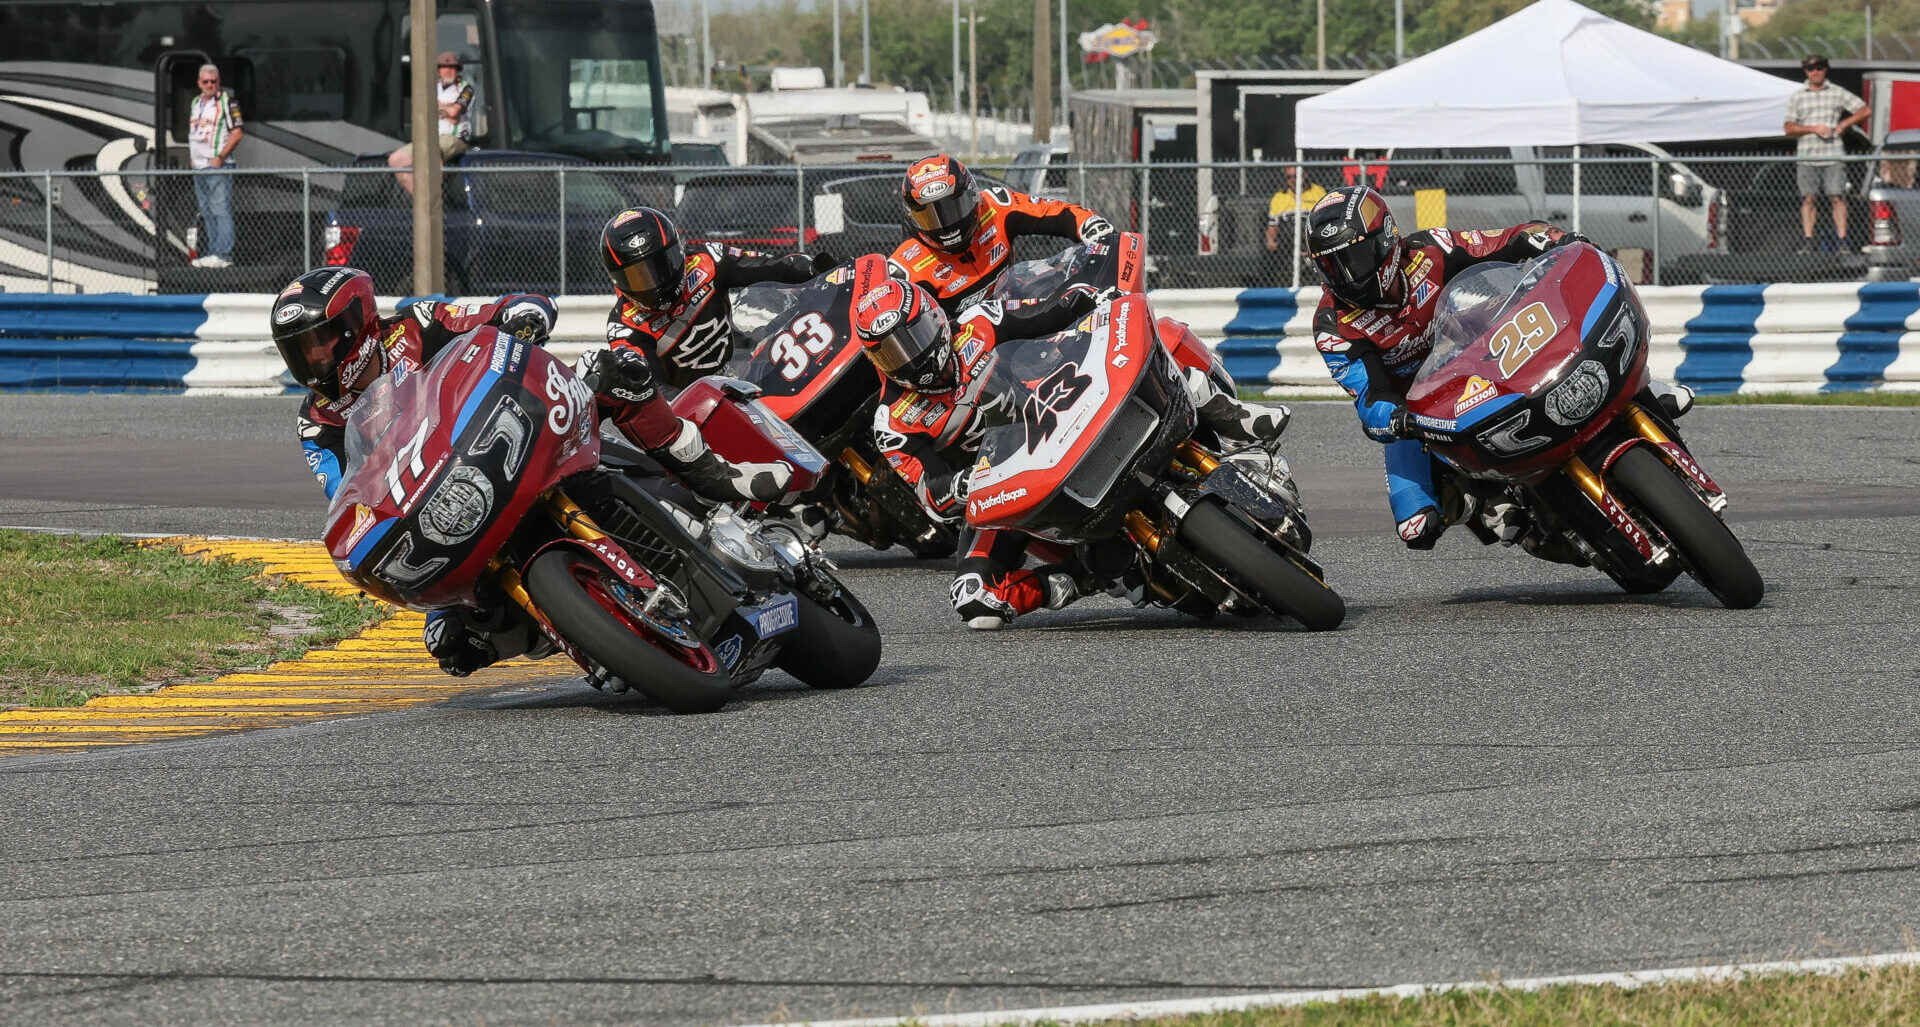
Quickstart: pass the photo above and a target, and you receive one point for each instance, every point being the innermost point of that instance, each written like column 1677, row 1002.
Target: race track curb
column 383, row 668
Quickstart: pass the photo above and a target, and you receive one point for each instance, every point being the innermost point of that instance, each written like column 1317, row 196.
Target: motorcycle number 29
column 1519, row 339
column 808, row 337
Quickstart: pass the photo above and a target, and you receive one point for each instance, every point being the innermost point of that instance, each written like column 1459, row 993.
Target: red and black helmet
column 326, row 326
column 907, row 336
column 943, row 204
column 642, row 253
column 1357, row 248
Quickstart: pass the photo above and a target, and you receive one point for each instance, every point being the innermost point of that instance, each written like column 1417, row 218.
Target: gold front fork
column 1645, row 425
column 572, row 518
column 860, row 468
column 1140, row 526
column 1584, row 477
column 1196, row 459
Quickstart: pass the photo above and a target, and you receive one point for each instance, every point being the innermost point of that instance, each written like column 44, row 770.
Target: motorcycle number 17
column 794, row 349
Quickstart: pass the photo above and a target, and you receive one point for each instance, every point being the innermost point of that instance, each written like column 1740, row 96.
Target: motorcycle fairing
column 741, row 428
column 446, row 461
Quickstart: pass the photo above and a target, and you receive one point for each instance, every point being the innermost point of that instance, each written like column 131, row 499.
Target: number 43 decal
column 808, row 337
column 1519, row 339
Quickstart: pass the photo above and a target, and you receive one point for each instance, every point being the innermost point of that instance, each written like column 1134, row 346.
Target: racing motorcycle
column 804, row 357
column 1101, row 453
column 1535, row 393
column 482, row 481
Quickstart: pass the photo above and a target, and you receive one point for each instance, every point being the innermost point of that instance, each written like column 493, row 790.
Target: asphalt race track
column 1497, row 766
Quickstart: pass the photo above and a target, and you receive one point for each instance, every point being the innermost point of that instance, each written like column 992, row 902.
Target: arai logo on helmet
column 884, row 322
column 935, row 190
column 287, row 313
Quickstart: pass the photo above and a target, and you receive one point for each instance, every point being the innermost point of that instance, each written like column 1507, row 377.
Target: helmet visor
column 946, row 220
column 1353, row 271
column 918, row 354
column 652, row 281
column 313, row 354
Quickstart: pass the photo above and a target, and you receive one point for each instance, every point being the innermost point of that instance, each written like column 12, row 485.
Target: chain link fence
column 1692, row 220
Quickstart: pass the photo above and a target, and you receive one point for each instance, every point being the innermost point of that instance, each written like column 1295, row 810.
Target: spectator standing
column 213, row 130
column 1820, row 114
column 455, row 97
column 1284, row 205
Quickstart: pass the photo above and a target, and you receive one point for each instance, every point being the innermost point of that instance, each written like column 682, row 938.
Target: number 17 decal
column 1519, row 339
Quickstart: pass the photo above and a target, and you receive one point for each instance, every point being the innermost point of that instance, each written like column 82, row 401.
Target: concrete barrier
column 1718, row 339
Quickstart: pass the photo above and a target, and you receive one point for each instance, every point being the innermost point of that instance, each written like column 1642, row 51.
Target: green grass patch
column 1888, row 996
column 81, row 617
column 1825, row 399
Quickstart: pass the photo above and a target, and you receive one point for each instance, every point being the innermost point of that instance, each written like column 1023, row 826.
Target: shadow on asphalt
column 1683, row 594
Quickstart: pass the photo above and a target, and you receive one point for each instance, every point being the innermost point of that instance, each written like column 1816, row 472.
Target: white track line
column 1232, row 1003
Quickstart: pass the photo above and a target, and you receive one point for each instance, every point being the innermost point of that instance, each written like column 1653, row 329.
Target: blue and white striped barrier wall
column 1718, row 339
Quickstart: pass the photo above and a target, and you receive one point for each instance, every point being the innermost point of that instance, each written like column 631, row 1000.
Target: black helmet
column 1353, row 241
column 907, row 336
column 643, row 256
column 324, row 324
column 943, row 204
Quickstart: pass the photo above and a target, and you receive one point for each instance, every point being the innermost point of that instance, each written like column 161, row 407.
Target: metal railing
column 1698, row 219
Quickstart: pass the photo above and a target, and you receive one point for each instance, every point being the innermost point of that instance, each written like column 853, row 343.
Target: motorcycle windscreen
column 794, row 333
column 1483, row 301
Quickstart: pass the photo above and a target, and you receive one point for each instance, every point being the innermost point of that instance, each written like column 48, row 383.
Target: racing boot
column 1423, row 528
column 978, row 605
column 1240, row 422
column 719, row 480
column 1674, row 398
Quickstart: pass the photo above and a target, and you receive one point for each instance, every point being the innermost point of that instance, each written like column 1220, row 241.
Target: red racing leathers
column 956, row 279
column 695, row 336
column 1374, row 352
column 409, row 339
column 931, row 441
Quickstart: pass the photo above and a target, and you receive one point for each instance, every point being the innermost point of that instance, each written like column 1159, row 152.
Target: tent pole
column 1299, row 186
column 1576, row 187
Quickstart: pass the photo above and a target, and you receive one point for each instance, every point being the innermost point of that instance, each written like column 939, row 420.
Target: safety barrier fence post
column 306, row 216
column 48, row 194
column 1653, row 167
column 560, row 175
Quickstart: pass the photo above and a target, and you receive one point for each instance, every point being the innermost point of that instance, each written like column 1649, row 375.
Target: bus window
column 298, row 84
column 580, row 78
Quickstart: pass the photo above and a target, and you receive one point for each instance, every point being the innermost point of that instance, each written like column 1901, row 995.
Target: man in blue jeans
column 213, row 130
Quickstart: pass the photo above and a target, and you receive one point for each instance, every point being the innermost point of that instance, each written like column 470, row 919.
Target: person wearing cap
column 455, row 96
column 1820, row 114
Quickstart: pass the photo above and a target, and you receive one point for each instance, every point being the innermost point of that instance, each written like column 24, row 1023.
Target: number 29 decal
column 794, row 349
column 1519, row 339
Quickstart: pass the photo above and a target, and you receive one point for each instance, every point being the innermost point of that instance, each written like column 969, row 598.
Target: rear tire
column 833, row 646
column 563, row 585
column 1281, row 585
column 1712, row 552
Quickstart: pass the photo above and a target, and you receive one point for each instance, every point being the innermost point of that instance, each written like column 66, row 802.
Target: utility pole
column 836, row 43
column 956, row 56
column 428, row 239
column 866, row 42
column 1042, row 88
column 1320, row 36
column 1066, row 86
column 1399, row 31
column 706, row 44
column 973, row 73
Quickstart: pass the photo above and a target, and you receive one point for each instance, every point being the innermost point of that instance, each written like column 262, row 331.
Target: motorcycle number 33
column 792, row 350
column 1519, row 339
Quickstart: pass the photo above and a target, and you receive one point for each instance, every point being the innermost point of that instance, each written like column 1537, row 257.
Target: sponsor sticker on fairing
column 729, row 651
column 1478, row 391
column 980, row 506
column 781, row 615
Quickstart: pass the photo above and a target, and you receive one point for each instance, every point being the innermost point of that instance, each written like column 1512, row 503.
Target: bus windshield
column 580, row 78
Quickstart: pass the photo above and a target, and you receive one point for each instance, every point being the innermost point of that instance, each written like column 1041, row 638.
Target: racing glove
column 529, row 320
column 1401, row 425
column 620, row 373
column 1569, row 238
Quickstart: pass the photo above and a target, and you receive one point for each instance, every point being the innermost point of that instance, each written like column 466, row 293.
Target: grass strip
column 1888, row 996
column 81, row 617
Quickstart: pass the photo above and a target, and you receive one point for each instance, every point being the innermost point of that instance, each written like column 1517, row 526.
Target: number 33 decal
column 808, row 337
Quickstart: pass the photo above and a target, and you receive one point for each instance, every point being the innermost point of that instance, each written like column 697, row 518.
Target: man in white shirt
column 213, row 130
column 455, row 97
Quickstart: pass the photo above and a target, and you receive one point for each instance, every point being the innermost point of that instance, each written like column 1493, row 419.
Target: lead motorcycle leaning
column 1536, row 394
column 481, row 481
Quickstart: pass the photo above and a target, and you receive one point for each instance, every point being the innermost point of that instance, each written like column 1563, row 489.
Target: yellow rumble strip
column 383, row 668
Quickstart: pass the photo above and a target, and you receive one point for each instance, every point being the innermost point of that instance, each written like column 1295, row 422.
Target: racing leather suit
column 1373, row 353
column 957, row 279
column 931, row 442
column 695, row 336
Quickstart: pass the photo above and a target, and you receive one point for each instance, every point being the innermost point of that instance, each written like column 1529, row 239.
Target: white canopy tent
column 1552, row 74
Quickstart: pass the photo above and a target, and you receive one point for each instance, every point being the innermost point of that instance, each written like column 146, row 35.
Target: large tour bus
column 106, row 86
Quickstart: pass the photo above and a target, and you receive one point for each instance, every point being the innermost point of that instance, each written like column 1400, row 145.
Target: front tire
column 1280, row 584
column 1712, row 552
column 835, row 645
column 572, row 591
